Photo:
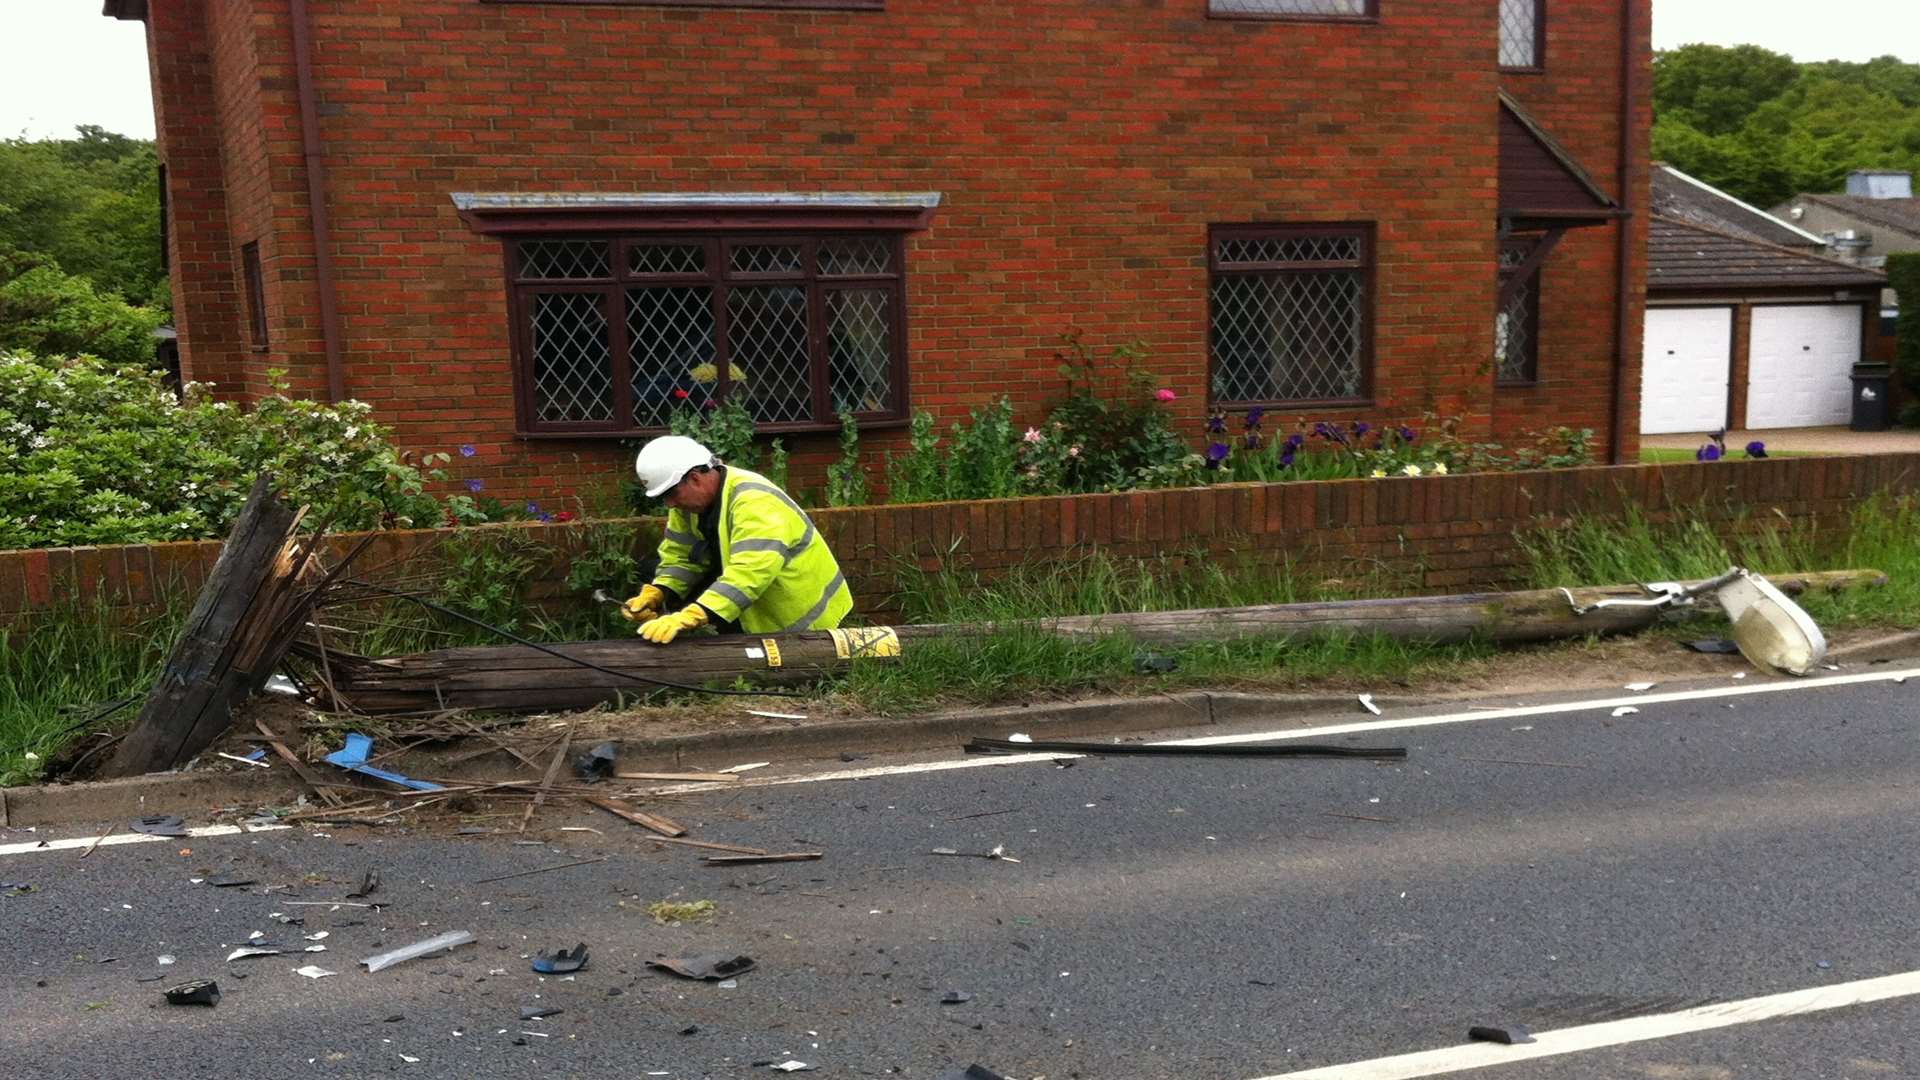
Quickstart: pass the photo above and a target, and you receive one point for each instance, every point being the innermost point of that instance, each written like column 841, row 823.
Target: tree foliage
column 1765, row 128
column 91, row 206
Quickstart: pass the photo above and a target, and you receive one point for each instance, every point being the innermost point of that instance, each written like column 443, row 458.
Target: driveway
column 1820, row 440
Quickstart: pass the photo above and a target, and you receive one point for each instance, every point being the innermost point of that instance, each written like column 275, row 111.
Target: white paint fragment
column 1366, row 702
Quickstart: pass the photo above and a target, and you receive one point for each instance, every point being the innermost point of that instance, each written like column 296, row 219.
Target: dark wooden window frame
column 1372, row 15
column 1367, row 266
column 612, row 291
column 791, row 5
column 1530, row 315
column 1539, row 65
column 256, row 294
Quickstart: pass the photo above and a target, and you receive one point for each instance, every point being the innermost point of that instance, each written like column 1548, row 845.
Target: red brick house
column 532, row 226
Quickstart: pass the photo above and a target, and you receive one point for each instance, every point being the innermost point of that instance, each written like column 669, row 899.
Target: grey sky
column 62, row 63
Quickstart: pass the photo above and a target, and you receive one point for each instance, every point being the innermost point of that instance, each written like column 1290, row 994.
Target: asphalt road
column 1220, row 919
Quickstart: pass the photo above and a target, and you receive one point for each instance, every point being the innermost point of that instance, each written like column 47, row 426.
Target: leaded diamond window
column 1521, row 23
column 1294, row 9
column 618, row 332
column 1516, row 327
column 1292, row 311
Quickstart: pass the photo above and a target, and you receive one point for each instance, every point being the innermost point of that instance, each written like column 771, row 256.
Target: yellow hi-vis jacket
column 776, row 573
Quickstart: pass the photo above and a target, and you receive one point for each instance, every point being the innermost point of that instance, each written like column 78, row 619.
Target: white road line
column 116, row 839
column 1478, row 713
column 1455, row 1059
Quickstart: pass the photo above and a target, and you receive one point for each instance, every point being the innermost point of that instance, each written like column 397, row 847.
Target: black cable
column 104, row 712
column 518, row 640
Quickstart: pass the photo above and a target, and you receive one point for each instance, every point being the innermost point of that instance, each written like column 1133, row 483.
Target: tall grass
column 65, row 667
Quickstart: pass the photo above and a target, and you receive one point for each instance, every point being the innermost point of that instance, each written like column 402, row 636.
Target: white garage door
column 1688, row 361
column 1801, row 359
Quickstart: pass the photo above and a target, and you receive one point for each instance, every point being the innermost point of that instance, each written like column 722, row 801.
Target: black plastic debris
column 1713, row 645
column 712, row 967
column 1304, row 750
column 197, row 992
column 971, row 1072
column 690, row 1029
column 538, row 1012
column 1505, row 1034
column 598, row 763
column 1147, row 663
column 369, row 881
column 956, row 997
column 229, row 881
column 394, row 1019
column 561, row 961
column 160, row 825
column 849, row 755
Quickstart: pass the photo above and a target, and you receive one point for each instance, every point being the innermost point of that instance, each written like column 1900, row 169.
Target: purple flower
column 1295, row 442
column 1709, row 452
column 1360, row 429
column 1756, row 448
column 1407, row 434
column 1322, row 431
column 1252, row 440
column 467, row 450
column 533, row 509
column 1254, row 416
column 1217, row 423
column 1216, row 454
column 474, row 485
column 1286, row 458
column 543, row 516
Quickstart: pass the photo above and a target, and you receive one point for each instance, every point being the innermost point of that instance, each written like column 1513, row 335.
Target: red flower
column 563, row 515
column 680, row 395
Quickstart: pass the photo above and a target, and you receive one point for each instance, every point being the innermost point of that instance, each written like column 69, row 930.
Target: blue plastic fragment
column 353, row 758
column 259, row 754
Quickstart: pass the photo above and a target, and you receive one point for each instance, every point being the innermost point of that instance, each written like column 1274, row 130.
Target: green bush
column 846, row 480
column 96, row 453
column 46, row 311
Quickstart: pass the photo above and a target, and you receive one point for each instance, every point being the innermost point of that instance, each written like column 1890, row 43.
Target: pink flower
column 1073, row 451
column 1164, row 395
column 1033, row 435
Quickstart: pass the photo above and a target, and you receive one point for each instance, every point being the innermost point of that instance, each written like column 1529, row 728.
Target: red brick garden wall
column 1448, row 533
column 1083, row 149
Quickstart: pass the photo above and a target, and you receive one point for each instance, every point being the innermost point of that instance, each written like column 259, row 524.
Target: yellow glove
column 667, row 627
column 645, row 607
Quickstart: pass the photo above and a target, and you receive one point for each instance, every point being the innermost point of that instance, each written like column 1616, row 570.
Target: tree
column 1714, row 89
column 47, row 311
column 91, row 205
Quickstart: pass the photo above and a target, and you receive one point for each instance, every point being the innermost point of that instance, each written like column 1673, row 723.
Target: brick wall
column 1083, row 149
column 1449, row 533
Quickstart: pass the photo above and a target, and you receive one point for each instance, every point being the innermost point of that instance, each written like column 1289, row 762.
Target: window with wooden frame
column 1523, row 35
column 1516, row 326
column 256, row 293
column 1292, row 314
column 613, row 333
column 1356, row 10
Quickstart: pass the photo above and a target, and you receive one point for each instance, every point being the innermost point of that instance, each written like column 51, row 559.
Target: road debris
column 444, row 942
column 689, row 777
column 313, row 971
column 998, row 854
column 598, row 763
column 955, row 997
column 775, row 857
column 230, row 881
column 353, row 758
column 1713, row 645
column 197, row 992
column 97, row 839
column 748, row 767
column 542, row 870
column 775, row 715
column 1505, row 1034
column 1639, row 687
column 561, row 961
column 538, row 1012
column 661, row 825
column 712, row 967
column 792, row 1066
column 1008, row 746
column 1624, row 710
column 255, row 762
column 670, row 912
column 247, row 951
column 1366, row 702
column 971, row 1072
column 369, row 881
column 160, row 825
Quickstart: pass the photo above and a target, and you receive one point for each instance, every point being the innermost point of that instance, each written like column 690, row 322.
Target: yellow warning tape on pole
column 863, row 642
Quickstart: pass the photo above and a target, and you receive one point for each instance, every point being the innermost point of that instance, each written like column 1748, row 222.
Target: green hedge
column 1903, row 274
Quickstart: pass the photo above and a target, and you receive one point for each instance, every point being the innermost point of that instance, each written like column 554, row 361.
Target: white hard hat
column 666, row 459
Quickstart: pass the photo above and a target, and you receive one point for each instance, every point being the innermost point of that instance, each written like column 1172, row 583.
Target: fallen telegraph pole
column 518, row 678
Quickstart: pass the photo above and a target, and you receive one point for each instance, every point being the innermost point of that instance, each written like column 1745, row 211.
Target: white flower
column 1439, row 468
column 1379, row 473
column 1411, row 470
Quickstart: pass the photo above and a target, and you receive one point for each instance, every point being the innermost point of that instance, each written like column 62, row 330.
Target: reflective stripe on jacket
column 776, row 573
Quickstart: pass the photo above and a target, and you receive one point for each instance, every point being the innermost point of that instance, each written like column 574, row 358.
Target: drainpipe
column 317, row 201
column 1622, row 251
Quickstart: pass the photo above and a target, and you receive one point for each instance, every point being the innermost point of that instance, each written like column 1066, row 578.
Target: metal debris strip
column 542, row 870
column 1297, row 750
column 998, row 854
column 443, row 943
